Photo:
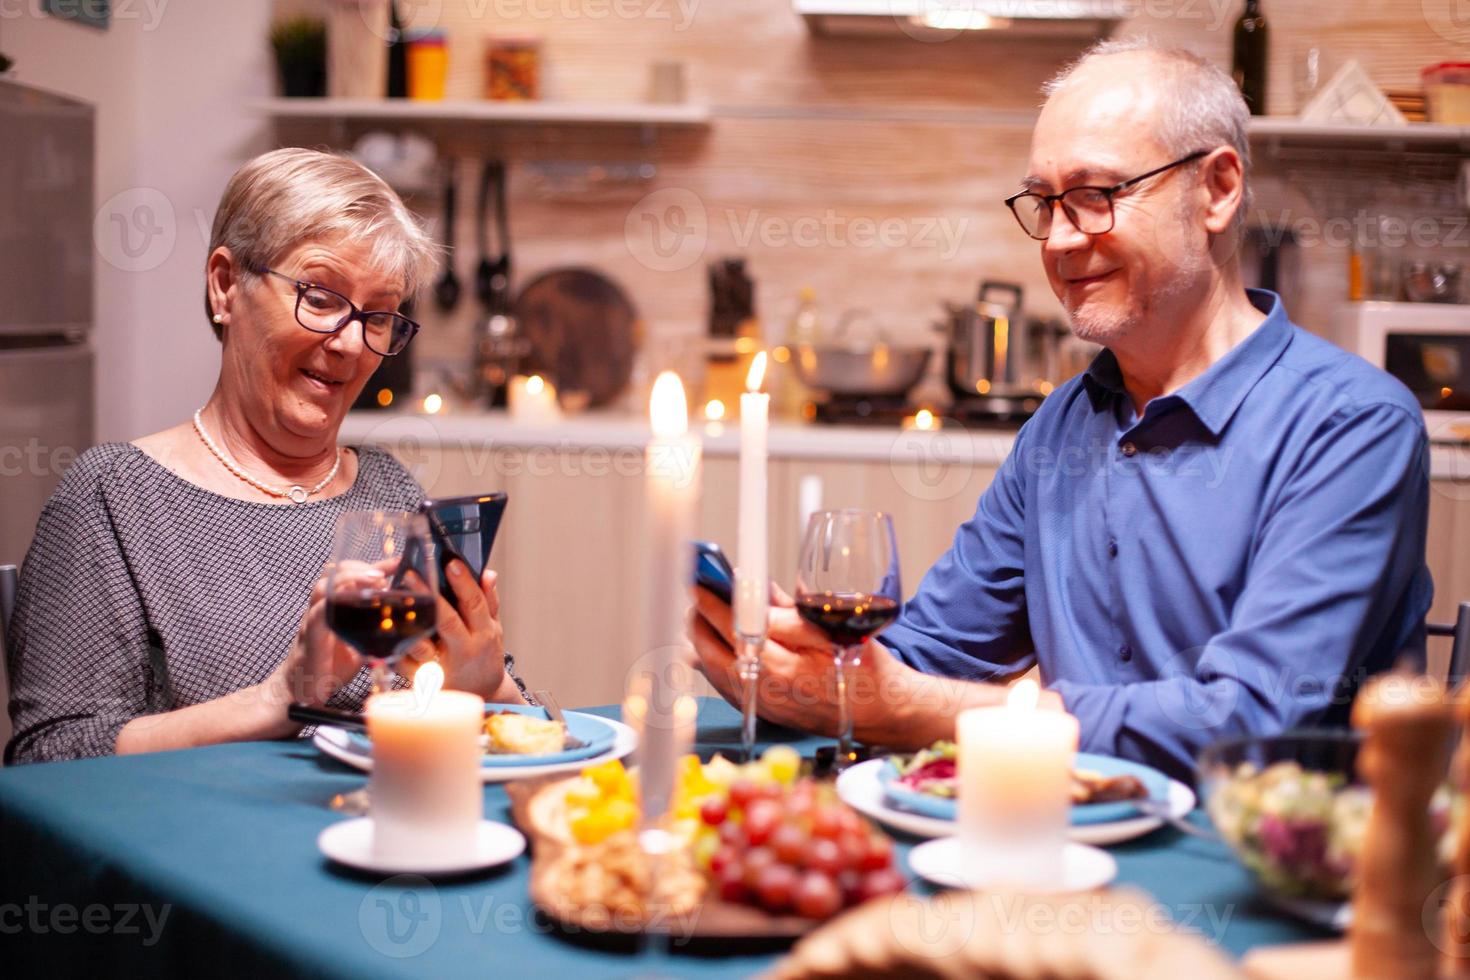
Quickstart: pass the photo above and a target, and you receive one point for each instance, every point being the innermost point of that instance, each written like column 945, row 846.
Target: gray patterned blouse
column 143, row 593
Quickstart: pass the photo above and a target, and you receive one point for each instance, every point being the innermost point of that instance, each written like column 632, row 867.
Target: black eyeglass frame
column 353, row 312
column 1107, row 192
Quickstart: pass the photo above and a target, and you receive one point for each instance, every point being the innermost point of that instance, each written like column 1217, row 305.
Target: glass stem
column 750, row 671
column 382, row 679
column 844, row 712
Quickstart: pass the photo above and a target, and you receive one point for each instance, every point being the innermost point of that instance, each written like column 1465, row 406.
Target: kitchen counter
column 982, row 446
column 788, row 440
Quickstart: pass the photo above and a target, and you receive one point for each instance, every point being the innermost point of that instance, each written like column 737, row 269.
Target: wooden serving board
column 538, row 807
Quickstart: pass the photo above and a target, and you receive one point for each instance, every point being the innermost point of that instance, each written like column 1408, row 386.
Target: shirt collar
column 1215, row 395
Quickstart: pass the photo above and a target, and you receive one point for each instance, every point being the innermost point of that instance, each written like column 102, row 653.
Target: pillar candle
column 425, row 791
column 1015, row 775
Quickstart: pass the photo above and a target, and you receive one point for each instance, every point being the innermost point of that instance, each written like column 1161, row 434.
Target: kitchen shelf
column 485, row 111
column 1284, row 131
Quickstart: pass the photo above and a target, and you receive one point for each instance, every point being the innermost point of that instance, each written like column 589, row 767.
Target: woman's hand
column 318, row 663
column 470, row 643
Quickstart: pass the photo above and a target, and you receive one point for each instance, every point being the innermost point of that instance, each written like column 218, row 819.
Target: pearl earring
column 218, row 318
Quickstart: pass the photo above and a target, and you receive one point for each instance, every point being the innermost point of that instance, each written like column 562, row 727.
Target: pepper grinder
column 1407, row 721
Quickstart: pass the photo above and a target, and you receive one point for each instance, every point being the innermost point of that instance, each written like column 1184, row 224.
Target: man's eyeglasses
column 1090, row 209
column 322, row 310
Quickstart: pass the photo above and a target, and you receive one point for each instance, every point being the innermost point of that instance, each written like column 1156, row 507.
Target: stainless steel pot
column 995, row 350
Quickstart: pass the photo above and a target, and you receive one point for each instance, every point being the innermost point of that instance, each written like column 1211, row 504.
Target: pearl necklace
column 296, row 492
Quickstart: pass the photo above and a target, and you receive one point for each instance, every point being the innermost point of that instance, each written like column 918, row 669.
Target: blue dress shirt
column 1234, row 562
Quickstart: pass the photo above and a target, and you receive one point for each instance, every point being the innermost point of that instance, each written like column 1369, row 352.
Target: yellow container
column 428, row 66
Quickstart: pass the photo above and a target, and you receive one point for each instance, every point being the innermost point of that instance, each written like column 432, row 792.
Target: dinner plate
column 925, row 804
column 341, row 746
column 598, row 733
column 1083, row 868
column 350, row 842
column 862, row 789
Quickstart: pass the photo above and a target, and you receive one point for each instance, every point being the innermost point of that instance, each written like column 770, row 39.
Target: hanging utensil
column 492, row 277
column 447, row 289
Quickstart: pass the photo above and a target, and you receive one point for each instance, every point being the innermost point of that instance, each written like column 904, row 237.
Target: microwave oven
column 1426, row 346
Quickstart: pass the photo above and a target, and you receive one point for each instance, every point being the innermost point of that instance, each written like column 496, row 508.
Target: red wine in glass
column 847, row 585
column 847, row 618
column 381, row 624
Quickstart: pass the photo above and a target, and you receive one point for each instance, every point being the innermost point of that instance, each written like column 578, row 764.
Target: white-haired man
column 1217, row 529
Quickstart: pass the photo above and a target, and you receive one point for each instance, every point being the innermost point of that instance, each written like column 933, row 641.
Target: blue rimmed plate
column 942, row 808
column 598, row 733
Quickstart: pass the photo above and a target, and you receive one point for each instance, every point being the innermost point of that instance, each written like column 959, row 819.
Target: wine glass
column 847, row 586
column 381, row 586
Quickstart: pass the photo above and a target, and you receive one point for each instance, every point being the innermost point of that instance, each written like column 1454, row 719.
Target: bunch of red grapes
column 796, row 850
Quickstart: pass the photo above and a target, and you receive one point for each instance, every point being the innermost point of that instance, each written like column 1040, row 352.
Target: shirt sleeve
column 1338, row 561
column 968, row 618
column 79, row 654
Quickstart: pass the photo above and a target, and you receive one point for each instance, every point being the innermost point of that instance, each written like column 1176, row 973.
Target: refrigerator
column 46, row 312
column 46, row 305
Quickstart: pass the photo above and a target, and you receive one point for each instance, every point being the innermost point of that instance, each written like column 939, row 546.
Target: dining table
column 205, row 861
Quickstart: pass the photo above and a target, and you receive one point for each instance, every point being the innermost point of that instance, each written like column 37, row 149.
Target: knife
column 353, row 721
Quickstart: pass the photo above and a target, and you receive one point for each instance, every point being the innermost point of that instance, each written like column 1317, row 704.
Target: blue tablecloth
column 205, row 861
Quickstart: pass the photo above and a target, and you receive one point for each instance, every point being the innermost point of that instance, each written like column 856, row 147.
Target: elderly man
column 1218, row 529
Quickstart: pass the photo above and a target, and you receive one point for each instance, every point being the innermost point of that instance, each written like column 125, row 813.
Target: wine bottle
column 397, row 55
column 1248, row 63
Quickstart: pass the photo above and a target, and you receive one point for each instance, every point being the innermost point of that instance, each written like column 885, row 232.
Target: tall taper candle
column 752, row 576
column 672, row 482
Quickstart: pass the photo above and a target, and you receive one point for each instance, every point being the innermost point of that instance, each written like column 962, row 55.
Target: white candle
column 1015, row 774
column 672, row 488
column 752, row 577
column 533, row 399
column 425, row 791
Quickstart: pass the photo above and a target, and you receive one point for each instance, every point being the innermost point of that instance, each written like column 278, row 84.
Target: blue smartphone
column 712, row 570
column 463, row 528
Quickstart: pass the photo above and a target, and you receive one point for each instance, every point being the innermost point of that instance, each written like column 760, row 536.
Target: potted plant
column 300, row 44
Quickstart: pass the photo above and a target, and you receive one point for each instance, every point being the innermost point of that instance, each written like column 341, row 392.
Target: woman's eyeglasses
column 1090, row 209
column 323, row 310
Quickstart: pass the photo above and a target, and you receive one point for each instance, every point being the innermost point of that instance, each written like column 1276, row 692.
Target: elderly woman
column 171, row 596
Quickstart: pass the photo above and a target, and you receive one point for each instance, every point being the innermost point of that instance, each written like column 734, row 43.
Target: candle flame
column 714, row 410
column 534, row 384
column 428, row 681
column 1024, row 695
column 757, row 373
column 668, row 412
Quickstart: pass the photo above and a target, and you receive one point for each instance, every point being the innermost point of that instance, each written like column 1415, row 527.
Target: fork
column 553, row 711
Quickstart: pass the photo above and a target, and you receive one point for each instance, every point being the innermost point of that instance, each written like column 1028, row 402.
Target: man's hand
column 798, row 684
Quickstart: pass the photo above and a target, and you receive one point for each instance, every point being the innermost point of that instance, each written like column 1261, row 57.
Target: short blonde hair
column 286, row 197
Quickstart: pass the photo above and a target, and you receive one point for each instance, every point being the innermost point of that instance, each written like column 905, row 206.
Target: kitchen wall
column 872, row 169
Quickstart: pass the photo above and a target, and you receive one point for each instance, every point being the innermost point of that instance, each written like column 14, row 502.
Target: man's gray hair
column 1202, row 107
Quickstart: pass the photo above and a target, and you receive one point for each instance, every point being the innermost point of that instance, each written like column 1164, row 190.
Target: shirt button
column 1112, row 548
column 1125, row 653
column 1129, row 449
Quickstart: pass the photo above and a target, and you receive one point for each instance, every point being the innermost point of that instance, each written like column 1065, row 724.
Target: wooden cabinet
column 571, row 559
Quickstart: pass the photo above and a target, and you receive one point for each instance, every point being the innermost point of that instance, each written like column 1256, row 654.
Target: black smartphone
column 463, row 528
column 712, row 570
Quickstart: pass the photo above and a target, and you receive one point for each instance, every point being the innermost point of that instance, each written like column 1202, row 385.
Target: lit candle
column 533, row 399
column 425, row 791
column 672, row 490
column 752, row 586
column 1015, row 776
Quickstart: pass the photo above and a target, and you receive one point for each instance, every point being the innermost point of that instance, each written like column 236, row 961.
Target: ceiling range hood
column 934, row 20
